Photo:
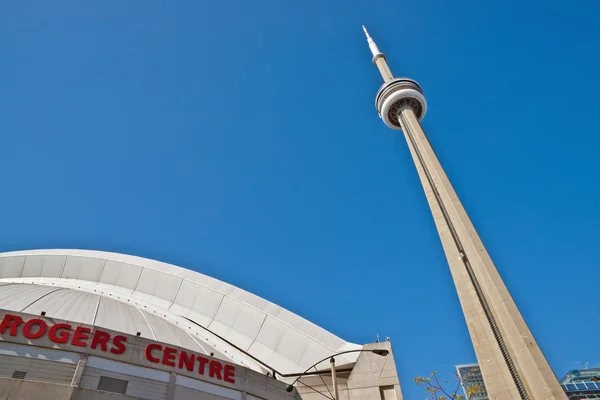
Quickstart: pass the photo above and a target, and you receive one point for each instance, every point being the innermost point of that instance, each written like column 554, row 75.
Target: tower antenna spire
column 379, row 58
column 372, row 44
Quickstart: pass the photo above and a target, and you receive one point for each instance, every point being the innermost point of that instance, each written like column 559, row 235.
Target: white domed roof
column 164, row 303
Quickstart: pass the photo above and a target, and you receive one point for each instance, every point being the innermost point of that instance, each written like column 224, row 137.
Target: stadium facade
column 78, row 324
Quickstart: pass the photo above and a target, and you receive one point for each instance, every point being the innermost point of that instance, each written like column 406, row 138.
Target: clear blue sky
column 240, row 139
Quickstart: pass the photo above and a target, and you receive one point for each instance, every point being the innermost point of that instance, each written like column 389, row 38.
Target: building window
column 113, row 385
column 19, row 374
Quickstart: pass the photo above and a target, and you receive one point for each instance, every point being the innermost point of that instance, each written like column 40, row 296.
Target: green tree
column 437, row 391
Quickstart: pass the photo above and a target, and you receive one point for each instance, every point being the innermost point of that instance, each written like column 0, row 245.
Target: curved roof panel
column 92, row 309
column 165, row 303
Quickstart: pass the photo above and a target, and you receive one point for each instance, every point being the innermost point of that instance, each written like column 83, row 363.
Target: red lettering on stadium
column 97, row 339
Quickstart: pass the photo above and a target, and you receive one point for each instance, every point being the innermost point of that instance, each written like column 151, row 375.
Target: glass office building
column 582, row 383
column 472, row 382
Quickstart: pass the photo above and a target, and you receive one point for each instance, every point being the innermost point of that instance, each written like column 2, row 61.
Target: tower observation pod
column 512, row 364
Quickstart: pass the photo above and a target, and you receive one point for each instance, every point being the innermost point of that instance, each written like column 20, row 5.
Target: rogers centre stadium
column 77, row 324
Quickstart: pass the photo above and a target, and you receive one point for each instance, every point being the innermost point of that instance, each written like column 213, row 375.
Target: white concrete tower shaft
column 512, row 364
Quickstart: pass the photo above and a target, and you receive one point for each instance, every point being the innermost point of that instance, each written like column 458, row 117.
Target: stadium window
column 113, row 385
column 19, row 374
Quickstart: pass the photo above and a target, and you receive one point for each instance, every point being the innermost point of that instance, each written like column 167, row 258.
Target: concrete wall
column 182, row 393
column 373, row 377
column 17, row 389
column 87, row 394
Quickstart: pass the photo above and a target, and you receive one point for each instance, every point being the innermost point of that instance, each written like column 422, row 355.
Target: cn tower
column 512, row 364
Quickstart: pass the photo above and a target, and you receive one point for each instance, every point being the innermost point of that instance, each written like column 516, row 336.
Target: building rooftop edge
column 217, row 285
